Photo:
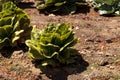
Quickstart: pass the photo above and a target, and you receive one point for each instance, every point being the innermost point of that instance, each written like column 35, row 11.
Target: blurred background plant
column 107, row 7
column 64, row 6
column 14, row 25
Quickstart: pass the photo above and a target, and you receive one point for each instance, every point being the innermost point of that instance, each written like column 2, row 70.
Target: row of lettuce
column 51, row 45
column 104, row 7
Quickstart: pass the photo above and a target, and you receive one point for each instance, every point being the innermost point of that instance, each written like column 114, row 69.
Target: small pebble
column 112, row 67
column 51, row 15
column 77, row 28
column 103, row 63
column 10, row 62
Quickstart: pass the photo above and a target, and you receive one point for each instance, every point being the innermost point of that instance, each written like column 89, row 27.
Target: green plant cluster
column 65, row 6
column 15, row 1
column 107, row 7
column 14, row 22
column 52, row 45
column 4, row 1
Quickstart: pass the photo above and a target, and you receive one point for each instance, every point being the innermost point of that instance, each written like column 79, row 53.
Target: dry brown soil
column 99, row 49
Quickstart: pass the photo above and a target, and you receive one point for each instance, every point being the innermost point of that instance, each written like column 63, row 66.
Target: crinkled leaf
column 34, row 51
column 16, row 35
column 62, row 28
column 49, row 50
column 49, row 1
column 9, row 6
column 4, row 42
column 5, row 31
column 49, row 62
column 59, row 3
column 5, row 21
column 106, row 10
column 108, row 2
column 65, row 46
column 6, row 13
column 35, row 34
column 80, row 3
column 42, row 6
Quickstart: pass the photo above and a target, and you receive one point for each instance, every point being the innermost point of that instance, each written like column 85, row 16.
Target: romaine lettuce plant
column 107, row 7
column 4, row 1
column 51, row 45
column 65, row 6
column 14, row 25
column 15, row 1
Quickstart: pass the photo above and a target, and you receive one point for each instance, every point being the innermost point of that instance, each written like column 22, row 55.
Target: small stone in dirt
column 108, row 54
column 77, row 28
column 51, row 15
column 87, row 47
column 101, row 53
column 92, row 68
column 117, row 63
column 111, row 67
column 89, row 40
column 10, row 62
column 103, row 63
column 38, row 77
column 35, row 71
column 109, row 41
column 16, row 64
column 18, row 52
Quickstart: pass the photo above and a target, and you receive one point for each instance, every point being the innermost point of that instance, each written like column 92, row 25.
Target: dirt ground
column 99, row 49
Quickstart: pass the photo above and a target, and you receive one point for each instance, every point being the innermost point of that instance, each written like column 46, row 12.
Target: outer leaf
column 49, row 1
column 106, row 10
column 42, row 6
column 34, row 52
column 8, row 6
column 65, row 46
column 49, row 50
column 60, row 3
column 4, row 42
column 108, row 2
column 5, row 21
column 49, row 62
column 16, row 35
column 4, row 31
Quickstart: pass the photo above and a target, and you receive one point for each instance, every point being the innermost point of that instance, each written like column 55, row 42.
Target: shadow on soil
column 80, row 9
column 24, row 5
column 8, row 51
column 63, row 71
